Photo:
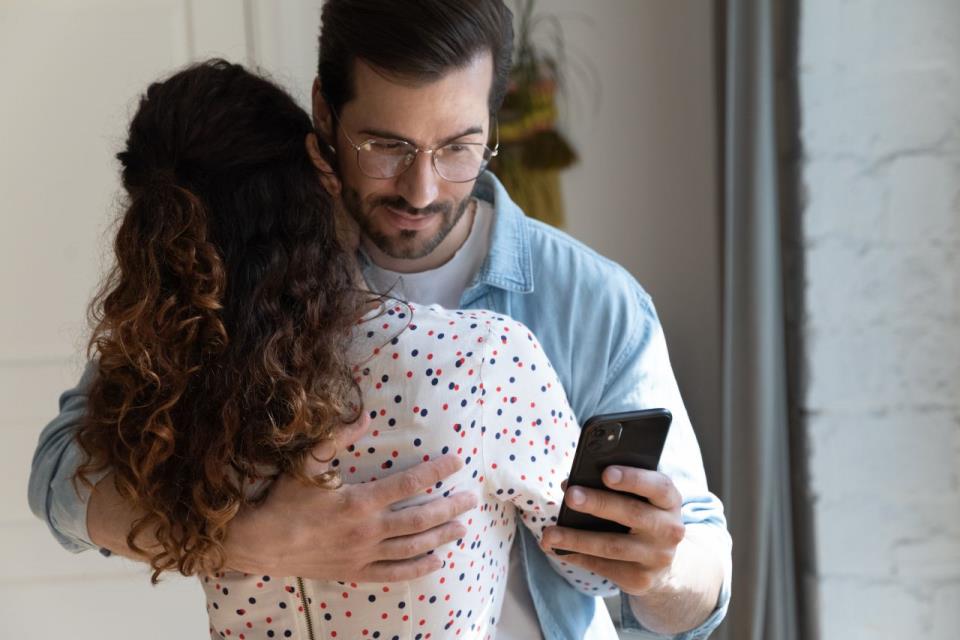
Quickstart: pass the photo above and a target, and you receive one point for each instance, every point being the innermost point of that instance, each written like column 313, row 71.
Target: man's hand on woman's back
column 350, row 533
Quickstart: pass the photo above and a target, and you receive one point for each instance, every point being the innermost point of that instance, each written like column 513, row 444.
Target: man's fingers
column 400, row 570
column 347, row 434
column 612, row 546
column 408, row 547
column 342, row 437
column 643, row 519
column 626, row 510
column 409, row 483
column 413, row 520
column 622, row 574
column 656, row 487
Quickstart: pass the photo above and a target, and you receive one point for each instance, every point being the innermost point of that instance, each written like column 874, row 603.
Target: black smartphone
column 630, row 439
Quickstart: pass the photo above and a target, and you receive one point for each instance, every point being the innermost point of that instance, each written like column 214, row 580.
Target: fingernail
column 577, row 496
column 614, row 475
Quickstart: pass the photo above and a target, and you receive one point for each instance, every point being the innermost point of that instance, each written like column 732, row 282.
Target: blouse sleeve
column 529, row 436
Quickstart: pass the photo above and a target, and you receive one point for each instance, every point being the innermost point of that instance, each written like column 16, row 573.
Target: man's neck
column 441, row 255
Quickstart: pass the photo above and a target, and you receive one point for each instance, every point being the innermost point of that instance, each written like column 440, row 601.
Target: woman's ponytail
column 156, row 321
column 221, row 333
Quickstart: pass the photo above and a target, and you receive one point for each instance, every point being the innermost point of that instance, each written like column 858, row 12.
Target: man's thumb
column 341, row 438
column 346, row 434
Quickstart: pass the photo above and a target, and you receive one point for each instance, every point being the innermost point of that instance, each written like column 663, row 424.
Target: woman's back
column 434, row 381
column 225, row 338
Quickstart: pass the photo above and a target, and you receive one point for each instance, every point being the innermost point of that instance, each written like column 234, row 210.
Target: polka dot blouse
column 472, row 383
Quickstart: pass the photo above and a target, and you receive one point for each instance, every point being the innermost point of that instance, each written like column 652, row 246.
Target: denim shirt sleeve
column 642, row 377
column 52, row 494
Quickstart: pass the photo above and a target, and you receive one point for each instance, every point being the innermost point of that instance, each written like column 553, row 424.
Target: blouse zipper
column 306, row 609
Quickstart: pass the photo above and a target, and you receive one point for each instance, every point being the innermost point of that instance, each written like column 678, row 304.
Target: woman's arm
column 278, row 537
column 530, row 436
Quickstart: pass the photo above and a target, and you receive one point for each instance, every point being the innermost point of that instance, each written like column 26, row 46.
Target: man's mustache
column 399, row 204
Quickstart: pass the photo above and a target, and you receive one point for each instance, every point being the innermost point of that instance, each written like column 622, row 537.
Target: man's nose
column 419, row 184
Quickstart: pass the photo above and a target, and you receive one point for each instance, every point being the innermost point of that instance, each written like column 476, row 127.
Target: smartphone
column 630, row 439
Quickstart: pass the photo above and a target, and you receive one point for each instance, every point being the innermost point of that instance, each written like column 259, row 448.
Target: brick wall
column 880, row 99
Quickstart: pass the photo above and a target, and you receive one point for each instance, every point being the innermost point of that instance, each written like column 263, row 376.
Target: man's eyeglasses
column 383, row 158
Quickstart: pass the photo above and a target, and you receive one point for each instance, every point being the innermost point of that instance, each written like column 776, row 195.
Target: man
column 404, row 108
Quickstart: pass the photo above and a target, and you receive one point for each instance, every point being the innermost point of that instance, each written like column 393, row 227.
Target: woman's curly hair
column 220, row 333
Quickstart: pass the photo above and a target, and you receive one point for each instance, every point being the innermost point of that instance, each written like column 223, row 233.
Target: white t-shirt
column 445, row 286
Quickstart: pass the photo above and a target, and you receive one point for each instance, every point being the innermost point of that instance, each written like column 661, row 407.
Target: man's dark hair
column 417, row 39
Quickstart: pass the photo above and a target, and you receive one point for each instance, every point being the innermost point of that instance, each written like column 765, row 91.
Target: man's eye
column 387, row 145
column 457, row 148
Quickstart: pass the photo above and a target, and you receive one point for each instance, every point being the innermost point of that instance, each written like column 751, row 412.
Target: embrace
column 338, row 376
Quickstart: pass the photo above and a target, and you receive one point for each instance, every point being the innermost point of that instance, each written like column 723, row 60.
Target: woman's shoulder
column 407, row 320
column 406, row 329
column 458, row 329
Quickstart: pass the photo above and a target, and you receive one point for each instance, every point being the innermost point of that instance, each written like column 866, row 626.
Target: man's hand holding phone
column 640, row 559
column 620, row 518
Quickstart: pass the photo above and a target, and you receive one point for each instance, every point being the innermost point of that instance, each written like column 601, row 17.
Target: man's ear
column 328, row 177
column 322, row 115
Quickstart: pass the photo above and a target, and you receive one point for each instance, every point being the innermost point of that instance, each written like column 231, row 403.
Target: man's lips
column 407, row 222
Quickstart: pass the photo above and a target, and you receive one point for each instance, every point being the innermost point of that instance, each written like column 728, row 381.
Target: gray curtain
column 758, row 433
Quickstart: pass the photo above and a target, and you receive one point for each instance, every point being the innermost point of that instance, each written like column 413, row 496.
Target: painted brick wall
column 880, row 98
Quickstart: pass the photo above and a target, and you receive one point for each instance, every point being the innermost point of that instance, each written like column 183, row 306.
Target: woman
column 233, row 335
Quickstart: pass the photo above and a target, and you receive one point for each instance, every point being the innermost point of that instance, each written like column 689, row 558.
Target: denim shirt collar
column 509, row 264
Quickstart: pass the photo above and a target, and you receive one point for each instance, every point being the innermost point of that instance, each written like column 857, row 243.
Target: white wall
column 71, row 74
column 644, row 195
column 880, row 87
column 645, row 192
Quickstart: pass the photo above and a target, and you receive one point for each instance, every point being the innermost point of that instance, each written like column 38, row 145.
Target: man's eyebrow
column 381, row 133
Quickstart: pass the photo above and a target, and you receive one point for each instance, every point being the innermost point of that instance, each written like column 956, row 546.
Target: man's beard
column 409, row 244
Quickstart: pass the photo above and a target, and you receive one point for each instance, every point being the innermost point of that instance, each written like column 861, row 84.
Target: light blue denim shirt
column 601, row 332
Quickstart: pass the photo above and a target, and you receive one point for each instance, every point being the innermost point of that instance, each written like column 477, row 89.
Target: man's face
column 409, row 215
